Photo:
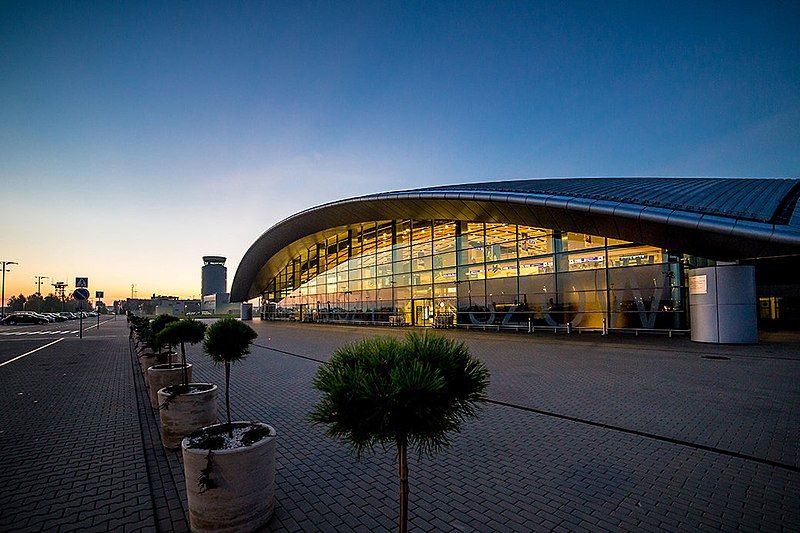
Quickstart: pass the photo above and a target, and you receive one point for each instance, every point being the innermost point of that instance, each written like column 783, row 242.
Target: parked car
column 23, row 318
column 65, row 315
column 38, row 315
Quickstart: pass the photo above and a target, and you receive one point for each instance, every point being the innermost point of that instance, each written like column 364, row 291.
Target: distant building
column 159, row 305
column 214, row 276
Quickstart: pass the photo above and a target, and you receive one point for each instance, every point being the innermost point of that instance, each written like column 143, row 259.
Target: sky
column 136, row 137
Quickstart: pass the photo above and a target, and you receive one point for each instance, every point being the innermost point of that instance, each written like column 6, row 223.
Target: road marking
column 54, row 332
column 90, row 327
column 32, row 351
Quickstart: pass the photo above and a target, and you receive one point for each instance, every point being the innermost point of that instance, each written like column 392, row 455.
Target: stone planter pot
column 243, row 496
column 161, row 375
column 148, row 359
column 186, row 412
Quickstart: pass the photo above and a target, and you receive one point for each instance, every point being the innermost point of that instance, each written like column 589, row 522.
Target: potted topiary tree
column 230, row 468
column 164, row 372
column 147, row 355
column 410, row 394
column 186, row 406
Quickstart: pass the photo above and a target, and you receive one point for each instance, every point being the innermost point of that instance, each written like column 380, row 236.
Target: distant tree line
column 45, row 304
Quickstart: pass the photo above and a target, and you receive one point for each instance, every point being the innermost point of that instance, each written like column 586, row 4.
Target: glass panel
column 402, row 254
column 422, row 248
column 645, row 297
column 444, row 260
column 637, row 255
column 471, row 240
column 502, row 290
column 581, row 241
column 403, row 236
column 530, row 245
column 471, row 273
column 385, row 281
column 472, row 256
column 444, row 245
column 402, row 293
column 497, row 252
column 444, row 275
column 422, row 278
column 399, row 268
column 384, row 270
column 384, row 296
column 501, row 269
column 616, row 242
column 421, row 231
column 402, row 279
column 444, row 229
column 582, row 261
column 469, row 227
column 422, row 291
column 384, row 257
column 445, row 289
column 421, row 263
column 497, row 233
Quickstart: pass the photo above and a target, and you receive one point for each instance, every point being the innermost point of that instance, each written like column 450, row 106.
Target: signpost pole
column 81, row 293
column 98, row 316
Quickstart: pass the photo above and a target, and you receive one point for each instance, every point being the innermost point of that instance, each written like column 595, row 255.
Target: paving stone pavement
column 72, row 458
column 75, row 463
column 513, row 470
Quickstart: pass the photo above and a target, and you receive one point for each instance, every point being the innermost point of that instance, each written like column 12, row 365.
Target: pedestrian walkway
column 73, row 457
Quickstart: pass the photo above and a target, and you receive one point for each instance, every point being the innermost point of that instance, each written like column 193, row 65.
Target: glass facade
column 442, row 272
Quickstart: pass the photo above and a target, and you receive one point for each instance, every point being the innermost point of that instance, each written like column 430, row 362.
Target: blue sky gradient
column 226, row 117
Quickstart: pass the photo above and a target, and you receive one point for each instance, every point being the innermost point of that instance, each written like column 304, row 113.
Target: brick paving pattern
column 513, row 470
column 72, row 458
column 510, row 470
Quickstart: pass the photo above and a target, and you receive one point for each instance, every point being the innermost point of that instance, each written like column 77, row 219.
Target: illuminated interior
column 441, row 272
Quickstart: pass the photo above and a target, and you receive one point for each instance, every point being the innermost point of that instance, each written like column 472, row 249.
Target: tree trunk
column 228, row 397
column 185, row 370
column 402, row 462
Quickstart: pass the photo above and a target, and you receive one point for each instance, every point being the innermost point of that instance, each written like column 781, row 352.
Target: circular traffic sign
column 81, row 294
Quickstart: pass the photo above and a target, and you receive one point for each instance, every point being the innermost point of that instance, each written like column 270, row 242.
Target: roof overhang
column 710, row 236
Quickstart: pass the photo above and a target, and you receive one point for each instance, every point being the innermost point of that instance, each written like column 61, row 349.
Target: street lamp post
column 3, row 289
column 39, row 289
column 39, row 284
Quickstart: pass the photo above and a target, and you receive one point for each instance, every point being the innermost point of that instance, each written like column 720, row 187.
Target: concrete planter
column 243, row 496
column 161, row 375
column 186, row 412
column 148, row 359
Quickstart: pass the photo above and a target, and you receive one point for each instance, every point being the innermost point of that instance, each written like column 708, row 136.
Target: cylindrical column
column 722, row 304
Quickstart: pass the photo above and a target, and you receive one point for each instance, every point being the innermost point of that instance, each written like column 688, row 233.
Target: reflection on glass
column 477, row 274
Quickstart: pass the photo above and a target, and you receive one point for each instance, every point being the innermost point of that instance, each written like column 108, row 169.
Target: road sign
column 81, row 282
column 80, row 294
column 98, row 294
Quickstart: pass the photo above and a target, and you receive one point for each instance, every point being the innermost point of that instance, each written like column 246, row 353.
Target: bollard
column 569, row 328
column 605, row 327
column 529, row 326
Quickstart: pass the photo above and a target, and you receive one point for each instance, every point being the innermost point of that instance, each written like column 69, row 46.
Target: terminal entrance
column 423, row 312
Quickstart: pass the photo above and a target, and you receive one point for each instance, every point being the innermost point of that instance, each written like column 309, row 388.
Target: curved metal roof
column 717, row 218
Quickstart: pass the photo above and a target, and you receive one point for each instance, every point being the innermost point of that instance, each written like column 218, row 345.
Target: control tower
column 214, row 278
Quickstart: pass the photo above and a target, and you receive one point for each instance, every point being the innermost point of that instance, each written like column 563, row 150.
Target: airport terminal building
column 615, row 253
